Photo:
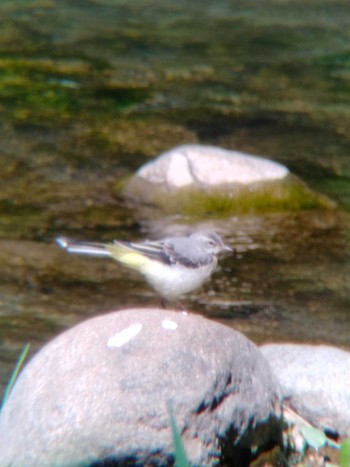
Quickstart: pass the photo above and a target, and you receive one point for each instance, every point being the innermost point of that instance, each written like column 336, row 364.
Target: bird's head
column 210, row 242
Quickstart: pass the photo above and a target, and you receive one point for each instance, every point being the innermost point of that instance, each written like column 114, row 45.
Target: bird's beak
column 226, row 248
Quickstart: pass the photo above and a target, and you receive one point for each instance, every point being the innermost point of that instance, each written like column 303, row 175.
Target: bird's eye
column 211, row 242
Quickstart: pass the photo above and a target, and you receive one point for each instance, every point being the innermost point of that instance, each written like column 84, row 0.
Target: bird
column 173, row 266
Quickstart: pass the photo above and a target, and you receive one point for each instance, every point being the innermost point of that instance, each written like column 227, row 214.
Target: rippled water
column 91, row 90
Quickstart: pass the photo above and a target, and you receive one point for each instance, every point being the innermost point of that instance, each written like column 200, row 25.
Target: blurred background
column 90, row 90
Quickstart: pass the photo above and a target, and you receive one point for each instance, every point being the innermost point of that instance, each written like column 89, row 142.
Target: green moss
column 44, row 90
column 38, row 89
column 289, row 194
column 274, row 197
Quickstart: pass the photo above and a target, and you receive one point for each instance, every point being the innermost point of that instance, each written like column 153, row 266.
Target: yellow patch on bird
column 127, row 256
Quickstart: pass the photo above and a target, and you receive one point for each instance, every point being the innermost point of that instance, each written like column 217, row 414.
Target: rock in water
column 198, row 179
column 209, row 166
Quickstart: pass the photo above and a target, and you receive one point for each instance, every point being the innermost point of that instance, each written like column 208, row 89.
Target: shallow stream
column 91, row 90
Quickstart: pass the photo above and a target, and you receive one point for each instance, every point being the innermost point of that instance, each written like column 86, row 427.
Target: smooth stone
column 203, row 166
column 315, row 381
column 100, row 392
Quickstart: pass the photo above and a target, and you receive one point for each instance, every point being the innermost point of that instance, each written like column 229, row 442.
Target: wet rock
column 201, row 179
column 209, row 166
column 315, row 381
column 101, row 391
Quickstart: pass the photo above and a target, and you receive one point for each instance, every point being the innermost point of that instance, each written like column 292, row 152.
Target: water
column 89, row 91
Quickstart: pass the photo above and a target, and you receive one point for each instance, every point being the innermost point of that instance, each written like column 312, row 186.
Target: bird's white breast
column 172, row 281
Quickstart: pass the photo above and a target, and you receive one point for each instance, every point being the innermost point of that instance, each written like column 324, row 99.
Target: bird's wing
column 180, row 251
column 170, row 251
column 137, row 254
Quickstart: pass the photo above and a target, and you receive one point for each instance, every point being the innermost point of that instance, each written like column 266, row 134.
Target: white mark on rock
column 124, row 336
column 168, row 324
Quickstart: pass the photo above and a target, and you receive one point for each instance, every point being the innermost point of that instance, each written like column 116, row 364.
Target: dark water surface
column 91, row 90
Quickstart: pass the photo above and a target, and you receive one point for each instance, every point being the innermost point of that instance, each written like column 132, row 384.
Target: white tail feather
column 83, row 248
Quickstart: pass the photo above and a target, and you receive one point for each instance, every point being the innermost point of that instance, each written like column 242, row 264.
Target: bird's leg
column 164, row 303
column 180, row 306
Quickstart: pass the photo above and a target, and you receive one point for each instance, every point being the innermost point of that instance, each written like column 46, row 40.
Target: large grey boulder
column 198, row 179
column 100, row 392
column 315, row 380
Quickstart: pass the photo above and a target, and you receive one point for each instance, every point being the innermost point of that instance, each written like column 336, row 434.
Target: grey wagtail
column 173, row 266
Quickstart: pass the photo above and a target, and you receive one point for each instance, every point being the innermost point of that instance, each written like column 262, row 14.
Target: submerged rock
column 315, row 382
column 101, row 392
column 201, row 179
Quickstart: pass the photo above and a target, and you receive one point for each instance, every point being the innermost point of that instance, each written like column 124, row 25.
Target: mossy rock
column 187, row 180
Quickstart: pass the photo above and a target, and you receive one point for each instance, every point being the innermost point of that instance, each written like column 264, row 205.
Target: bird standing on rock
column 173, row 266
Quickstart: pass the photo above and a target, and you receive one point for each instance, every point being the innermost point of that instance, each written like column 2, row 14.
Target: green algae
column 240, row 60
column 36, row 90
column 56, row 90
column 277, row 197
column 287, row 195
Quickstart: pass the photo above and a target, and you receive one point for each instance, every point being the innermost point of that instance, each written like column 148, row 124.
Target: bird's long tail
column 83, row 248
column 122, row 252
